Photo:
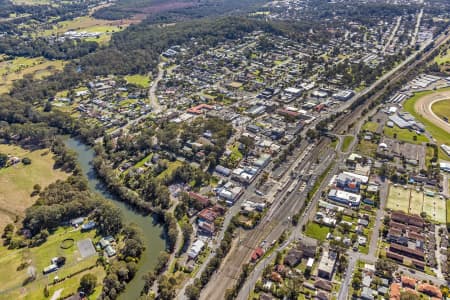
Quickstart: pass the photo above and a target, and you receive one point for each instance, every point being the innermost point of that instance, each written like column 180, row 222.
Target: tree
column 192, row 292
column 88, row 283
column 3, row 160
column 26, row 161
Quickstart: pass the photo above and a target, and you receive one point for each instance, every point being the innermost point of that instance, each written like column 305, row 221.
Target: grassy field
column 367, row 148
column 317, row 231
column 405, row 135
column 398, row 198
column 435, row 208
column 16, row 182
column 12, row 277
column 12, row 70
column 347, row 142
column 443, row 57
column 442, row 108
column 171, row 166
column 370, row 126
column 142, row 81
column 440, row 135
column 416, row 203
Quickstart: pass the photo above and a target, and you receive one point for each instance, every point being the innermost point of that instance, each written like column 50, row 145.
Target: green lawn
column 442, row 108
column 171, row 166
column 317, row 231
column 405, row 135
column 440, row 135
column 142, row 81
column 370, row 126
column 443, row 57
column 347, row 142
column 367, row 148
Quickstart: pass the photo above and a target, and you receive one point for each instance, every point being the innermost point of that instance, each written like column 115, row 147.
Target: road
column 416, row 30
column 423, row 108
column 392, row 35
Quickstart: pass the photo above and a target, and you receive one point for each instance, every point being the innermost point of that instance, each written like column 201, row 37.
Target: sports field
column 435, row 208
column 414, row 202
column 398, row 198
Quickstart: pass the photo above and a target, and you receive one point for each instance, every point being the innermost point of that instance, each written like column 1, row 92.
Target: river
column 151, row 232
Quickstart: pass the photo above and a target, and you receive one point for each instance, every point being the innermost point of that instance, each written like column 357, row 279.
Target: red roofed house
column 257, row 254
column 199, row 198
column 430, row 290
column 408, row 282
column 199, row 109
column 394, row 293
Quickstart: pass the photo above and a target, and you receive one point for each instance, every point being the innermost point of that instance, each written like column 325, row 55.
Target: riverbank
column 152, row 232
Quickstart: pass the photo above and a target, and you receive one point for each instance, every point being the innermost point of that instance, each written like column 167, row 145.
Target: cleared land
column 405, row 135
column 370, row 126
column 12, row 277
column 398, row 198
column 89, row 24
column 317, row 231
column 419, row 106
column 12, row 70
column 142, row 81
column 16, row 182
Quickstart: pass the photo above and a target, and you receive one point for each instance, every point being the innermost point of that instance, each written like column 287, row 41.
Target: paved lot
column 86, row 248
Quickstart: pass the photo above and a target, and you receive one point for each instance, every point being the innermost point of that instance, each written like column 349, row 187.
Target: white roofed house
column 196, row 248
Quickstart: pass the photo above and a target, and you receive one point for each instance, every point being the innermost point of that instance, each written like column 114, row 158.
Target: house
column 77, row 222
column 202, row 200
column 257, row 254
column 323, row 285
column 367, row 293
column 88, row 226
column 293, row 257
column 327, row 264
column 196, row 248
column 321, row 295
column 110, row 251
column 430, row 290
column 394, row 293
column 408, row 282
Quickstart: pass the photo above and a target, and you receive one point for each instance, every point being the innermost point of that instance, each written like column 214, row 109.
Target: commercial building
column 327, row 264
column 344, row 197
column 343, row 95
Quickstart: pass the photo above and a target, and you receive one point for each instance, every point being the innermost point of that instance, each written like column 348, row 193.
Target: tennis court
column 398, row 198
